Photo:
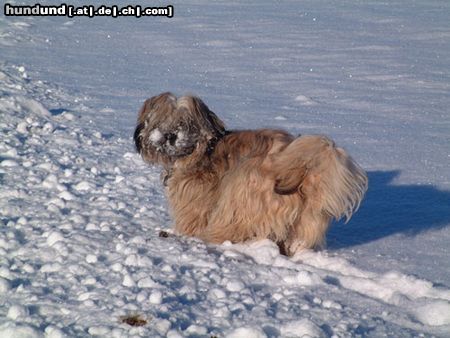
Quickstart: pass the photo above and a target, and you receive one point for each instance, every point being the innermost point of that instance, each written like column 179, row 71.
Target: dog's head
column 170, row 128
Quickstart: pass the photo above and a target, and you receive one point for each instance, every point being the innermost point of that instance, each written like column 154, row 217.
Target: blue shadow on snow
column 389, row 209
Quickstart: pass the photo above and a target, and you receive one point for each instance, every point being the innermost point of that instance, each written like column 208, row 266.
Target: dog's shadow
column 392, row 209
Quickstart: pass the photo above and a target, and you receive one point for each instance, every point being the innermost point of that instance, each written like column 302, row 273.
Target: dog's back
column 239, row 146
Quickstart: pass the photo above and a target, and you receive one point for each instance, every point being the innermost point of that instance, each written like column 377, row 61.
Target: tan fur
column 248, row 184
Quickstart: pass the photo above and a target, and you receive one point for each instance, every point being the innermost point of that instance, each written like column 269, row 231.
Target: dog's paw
column 295, row 246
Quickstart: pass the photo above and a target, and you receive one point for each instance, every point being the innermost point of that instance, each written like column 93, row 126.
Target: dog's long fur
column 250, row 184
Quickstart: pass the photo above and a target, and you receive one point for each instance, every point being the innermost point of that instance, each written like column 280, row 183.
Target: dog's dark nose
column 171, row 138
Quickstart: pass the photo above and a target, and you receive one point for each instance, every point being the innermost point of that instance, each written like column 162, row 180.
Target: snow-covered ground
column 80, row 213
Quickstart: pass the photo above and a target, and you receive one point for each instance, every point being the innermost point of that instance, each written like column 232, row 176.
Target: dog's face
column 170, row 128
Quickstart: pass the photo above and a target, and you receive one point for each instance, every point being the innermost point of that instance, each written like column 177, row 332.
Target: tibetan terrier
column 246, row 184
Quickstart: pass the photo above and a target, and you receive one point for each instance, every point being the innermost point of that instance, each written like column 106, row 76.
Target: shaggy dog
column 250, row 184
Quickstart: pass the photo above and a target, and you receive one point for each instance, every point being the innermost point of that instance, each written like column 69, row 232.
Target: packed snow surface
column 80, row 213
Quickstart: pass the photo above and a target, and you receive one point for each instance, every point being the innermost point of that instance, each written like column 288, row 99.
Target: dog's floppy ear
column 138, row 137
column 212, row 120
column 201, row 116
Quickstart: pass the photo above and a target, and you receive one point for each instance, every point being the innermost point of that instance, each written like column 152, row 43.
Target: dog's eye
column 172, row 138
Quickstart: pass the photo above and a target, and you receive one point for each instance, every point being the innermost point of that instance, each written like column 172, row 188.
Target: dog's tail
column 326, row 176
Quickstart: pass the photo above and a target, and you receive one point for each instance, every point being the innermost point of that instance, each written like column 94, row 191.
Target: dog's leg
column 310, row 227
column 283, row 249
column 308, row 232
